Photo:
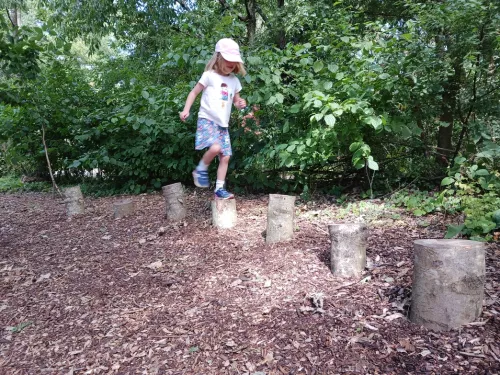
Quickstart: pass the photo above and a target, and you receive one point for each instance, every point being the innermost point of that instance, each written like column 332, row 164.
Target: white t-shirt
column 217, row 97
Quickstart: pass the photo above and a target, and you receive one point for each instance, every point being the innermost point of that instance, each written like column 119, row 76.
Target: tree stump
column 448, row 283
column 280, row 218
column 123, row 208
column 347, row 249
column 174, row 201
column 74, row 200
column 224, row 213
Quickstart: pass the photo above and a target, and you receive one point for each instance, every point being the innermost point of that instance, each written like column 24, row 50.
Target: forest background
column 392, row 99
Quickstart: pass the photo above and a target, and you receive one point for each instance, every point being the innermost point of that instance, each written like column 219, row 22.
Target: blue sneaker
column 223, row 194
column 201, row 178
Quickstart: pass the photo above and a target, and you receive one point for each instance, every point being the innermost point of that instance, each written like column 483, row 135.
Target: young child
column 221, row 88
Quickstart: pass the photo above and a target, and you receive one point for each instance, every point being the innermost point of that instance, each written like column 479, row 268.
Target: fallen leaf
column 155, row 265
column 425, row 352
column 394, row 316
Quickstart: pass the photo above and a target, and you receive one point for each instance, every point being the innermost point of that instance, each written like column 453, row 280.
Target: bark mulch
column 141, row 295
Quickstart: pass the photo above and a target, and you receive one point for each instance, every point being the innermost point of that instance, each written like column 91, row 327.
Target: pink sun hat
column 229, row 50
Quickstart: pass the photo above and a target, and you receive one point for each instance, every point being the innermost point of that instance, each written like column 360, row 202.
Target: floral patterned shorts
column 208, row 133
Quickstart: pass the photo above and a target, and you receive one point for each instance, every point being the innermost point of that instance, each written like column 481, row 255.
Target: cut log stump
column 448, row 283
column 123, row 208
column 280, row 218
column 73, row 199
column 224, row 213
column 347, row 249
column 174, row 201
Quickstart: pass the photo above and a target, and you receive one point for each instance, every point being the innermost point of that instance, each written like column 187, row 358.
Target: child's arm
column 239, row 102
column 190, row 100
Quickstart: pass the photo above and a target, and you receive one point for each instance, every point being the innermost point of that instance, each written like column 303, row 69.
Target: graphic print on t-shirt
column 224, row 93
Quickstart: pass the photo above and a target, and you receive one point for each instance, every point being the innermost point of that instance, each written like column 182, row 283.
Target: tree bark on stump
column 448, row 283
column 74, row 201
column 280, row 218
column 347, row 249
column 123, row 208
column 224, row 214
column 174, row 201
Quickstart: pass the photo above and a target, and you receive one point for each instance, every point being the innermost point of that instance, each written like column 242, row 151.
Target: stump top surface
column 449, row 243
column 124, row 201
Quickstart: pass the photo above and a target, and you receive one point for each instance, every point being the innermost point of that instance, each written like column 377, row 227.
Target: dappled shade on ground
column 140, row 295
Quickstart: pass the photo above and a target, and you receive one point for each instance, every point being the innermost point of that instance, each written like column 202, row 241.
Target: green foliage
column 10, row 184
column 353, row 98
column 421, row 203
column 476, row 183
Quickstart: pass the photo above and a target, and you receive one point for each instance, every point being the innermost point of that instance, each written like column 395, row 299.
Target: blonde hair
column 216, row 63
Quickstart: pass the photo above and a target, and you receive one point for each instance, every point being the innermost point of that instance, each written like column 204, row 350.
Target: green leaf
column 482, row 172
column 345, row 39
column 328, row 85
column 145, row 94
column 453, row 230
column 318, row 65
column 286, row 127
column 447, row 181
column 372, row 164
column 354, row 146
column 330, row 120
column 295, row 108
column 280, row 98
column 333, row 68
column 291, row 148
column 419, row 212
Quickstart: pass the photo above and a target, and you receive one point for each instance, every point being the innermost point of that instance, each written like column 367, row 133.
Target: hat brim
column 231, row 57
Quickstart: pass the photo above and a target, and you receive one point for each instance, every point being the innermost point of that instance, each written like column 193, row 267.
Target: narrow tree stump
column 174, row 201
column 123, row 208
column 280, row 218
column 347, row 249
column 448, row 283
column 224, row 213
column 74, row 200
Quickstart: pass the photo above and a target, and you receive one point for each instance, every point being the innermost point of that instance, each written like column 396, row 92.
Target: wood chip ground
column 140, row 295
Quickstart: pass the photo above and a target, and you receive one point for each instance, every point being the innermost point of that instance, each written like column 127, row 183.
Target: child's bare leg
column 220, row 192
column 222, row 169
column 211, row 153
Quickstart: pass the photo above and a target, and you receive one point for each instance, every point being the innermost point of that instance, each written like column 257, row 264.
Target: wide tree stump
column 280, row 218
column 73, row 199
column 123, row 208
column 347, row 249
column 448, row 283
column 174, row 201
column 224, row 213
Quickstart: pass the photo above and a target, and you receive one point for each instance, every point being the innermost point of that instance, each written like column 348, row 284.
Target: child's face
column 227, row 66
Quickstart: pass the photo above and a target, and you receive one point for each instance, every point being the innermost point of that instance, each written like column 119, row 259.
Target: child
column 221, row 88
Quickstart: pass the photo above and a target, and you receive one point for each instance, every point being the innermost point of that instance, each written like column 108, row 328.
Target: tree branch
column 10, row 19
column 54, row 185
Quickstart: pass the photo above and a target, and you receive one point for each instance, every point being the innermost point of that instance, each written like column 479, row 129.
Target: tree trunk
column 280, row 218
column 448, row 104
column 74, row 201
column 448, row 283
column 251, row 20
column 174, row 201
column 281, row 37
column 224, row 214
column 348, row 249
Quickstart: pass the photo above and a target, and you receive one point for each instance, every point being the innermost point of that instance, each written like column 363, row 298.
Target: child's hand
column 184, row 115
column 241, row 103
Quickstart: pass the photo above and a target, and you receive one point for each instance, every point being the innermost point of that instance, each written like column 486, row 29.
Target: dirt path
column 94, row 295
